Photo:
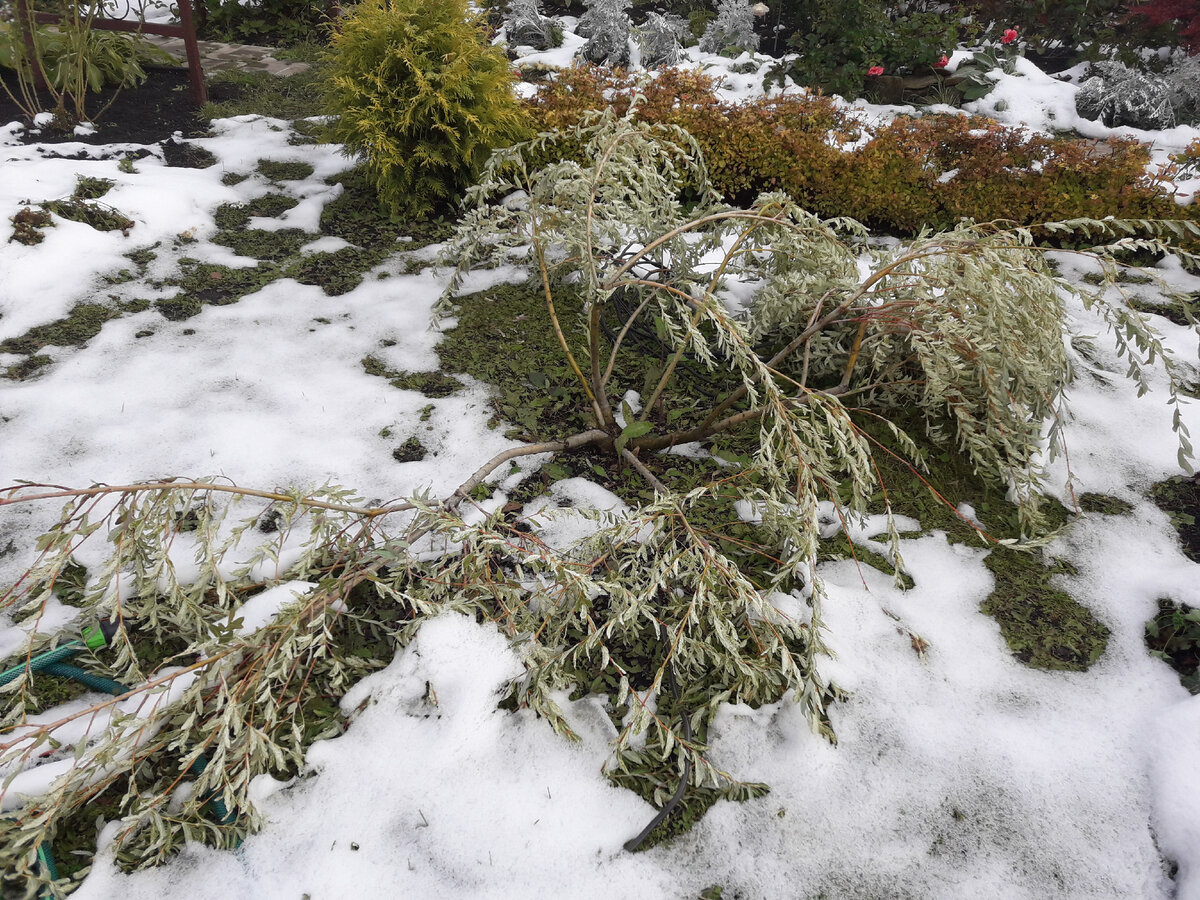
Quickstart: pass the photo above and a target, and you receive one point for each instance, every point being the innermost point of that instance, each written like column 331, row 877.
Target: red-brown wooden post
column 186, row 29
column 26, row 19
column 195, row 72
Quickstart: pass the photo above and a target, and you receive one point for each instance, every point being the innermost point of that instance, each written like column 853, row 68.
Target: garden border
column 186, row 29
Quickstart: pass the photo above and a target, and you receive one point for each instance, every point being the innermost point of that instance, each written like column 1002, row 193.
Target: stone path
column 215, row 56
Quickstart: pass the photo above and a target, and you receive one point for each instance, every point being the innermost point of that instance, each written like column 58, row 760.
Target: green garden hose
column 95, row 682
column 52, row 662
column 95, row 637
column 45, row 857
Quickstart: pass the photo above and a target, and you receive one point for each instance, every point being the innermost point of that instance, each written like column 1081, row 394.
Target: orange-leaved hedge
column 915, row 172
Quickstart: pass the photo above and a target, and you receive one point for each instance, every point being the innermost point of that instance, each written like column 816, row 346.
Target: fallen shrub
column 661, row 608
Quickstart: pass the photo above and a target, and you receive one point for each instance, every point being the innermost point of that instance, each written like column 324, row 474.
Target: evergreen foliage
column 419, row 92
column 732, row 32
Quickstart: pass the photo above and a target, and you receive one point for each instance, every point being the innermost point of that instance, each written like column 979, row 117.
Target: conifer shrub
column 417, row 90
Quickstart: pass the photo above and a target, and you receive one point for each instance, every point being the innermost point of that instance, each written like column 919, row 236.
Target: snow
column 958, row 771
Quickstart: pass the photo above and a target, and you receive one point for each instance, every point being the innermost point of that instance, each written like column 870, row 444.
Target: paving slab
column 216, row 56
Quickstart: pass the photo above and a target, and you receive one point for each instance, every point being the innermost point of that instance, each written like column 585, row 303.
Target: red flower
column 875, row 70
column 942, row 63
column 1009, row 36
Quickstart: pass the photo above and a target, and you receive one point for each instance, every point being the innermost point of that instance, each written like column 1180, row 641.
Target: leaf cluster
column 76, row 60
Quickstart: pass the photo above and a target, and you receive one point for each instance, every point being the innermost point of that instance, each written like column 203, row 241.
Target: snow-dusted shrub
column 526, row 27
column 1183, row 82
column 660, row 39
column 608, row 29
column 732, row 31
column 1119, row 95
column 599, row 14
column 892, row 182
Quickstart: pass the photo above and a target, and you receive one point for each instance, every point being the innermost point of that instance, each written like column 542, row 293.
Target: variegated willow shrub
column 965, row 327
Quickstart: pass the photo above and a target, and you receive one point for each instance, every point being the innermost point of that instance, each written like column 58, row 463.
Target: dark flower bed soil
column 147, row 114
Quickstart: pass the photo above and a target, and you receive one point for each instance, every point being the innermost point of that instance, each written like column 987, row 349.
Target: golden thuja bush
column 416, row 89
column 911, row 174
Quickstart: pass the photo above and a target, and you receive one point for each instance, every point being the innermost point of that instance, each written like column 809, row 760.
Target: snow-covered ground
column 960, row 773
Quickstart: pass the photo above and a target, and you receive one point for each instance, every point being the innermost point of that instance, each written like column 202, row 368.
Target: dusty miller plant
column 967, row 327
column 607, row 27
column 732, row 31
column 1119, row 95
column 525, row 26
column 659, row 38
column 1183, row 81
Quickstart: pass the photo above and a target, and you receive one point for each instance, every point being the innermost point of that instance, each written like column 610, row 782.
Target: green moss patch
column 97, row 215
column 232, row 216
column 260, row 244
column 1104, row 504
column 1176, row 311
column 176, row 309
column 183, row 155
column 337, row 272
column 357, row 216
column 431, row 384
column 284, row 171
column 504, row 337
column 81, row 324
column 27, row 367
column 1044, row 627
column 215, row 285
column 411, row 450
column 143, row 256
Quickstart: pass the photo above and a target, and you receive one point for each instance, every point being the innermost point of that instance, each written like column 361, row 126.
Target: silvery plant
column 1118, row 95
column 662, row 613
column 732, row 30
column 660, row 40
column 526, row 27
column 1183, row 83
column 607, row 27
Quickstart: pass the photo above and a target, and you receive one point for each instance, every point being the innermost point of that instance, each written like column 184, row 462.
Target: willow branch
column 574, row 442
column 144, row 487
